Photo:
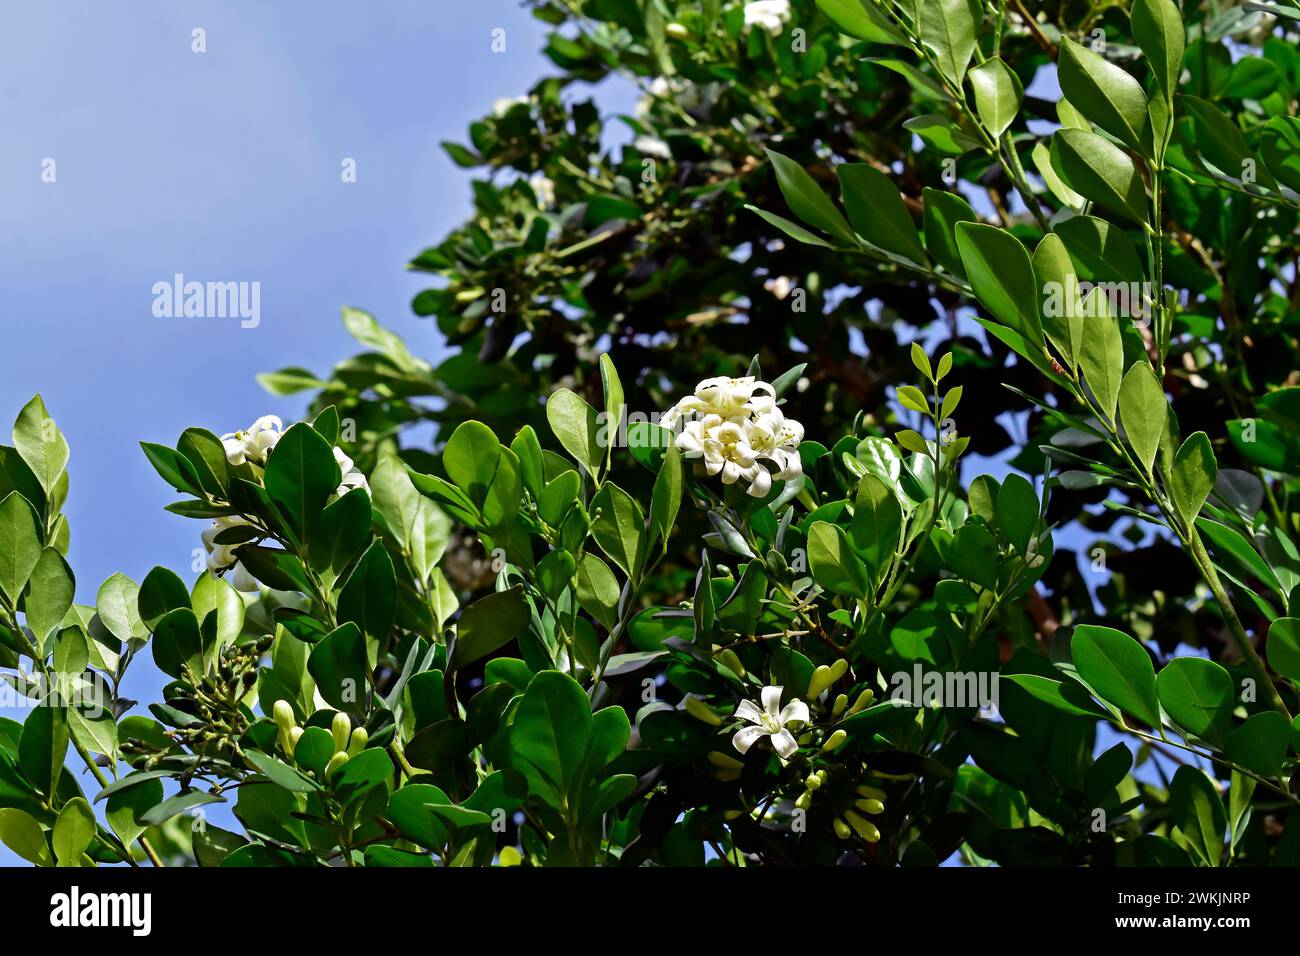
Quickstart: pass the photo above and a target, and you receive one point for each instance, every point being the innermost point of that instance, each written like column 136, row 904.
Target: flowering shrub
column 779, row 623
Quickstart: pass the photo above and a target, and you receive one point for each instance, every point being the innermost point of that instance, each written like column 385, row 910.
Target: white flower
column 769, row 15
column 503, row 106
column 771, row 720
column 544, row 189
column 353, row 477
column 779, row 286
column 253, row 443
column 652, row 146
column 222, row 556
column 734, row 424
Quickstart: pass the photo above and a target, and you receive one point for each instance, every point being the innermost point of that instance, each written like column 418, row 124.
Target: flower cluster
column 735, row 425
column 253, row 445
column 768, row 15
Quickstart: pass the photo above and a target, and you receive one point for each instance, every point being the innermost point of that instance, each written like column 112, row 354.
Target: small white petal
column 772, row 701
column 745, row 737
column 785, row 744
column 748, row 710
column 795, row 710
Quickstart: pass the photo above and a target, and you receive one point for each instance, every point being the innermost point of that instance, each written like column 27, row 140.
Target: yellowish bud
column 509, row 856
column 726, row 774
column 869, row 806
column 338, row 760
column 833, row 741
column 725, row 761
column 865, row 828
column 871, row 793
column 283, row 714
column 294, row 736
column 841, row 829
column 677, row 31
column 813, row 782
column 841, row 702
column 359, row 740
column 804, row 800
column 864, row 700
column 821, row 679
column 731, row 661
column 701, row 711
column 839, row 668
column 341, row 728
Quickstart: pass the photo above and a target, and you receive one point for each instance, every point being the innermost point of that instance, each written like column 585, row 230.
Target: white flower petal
column 795, row 710
column 745, row 737
column 785, row 744
column 772, row 701
column 748, row 710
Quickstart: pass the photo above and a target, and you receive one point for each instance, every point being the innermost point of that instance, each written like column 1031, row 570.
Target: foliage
column 571, row 633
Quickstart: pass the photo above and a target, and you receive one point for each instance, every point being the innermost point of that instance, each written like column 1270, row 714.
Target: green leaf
column 301, row 474
column 791, row 229
column 490, row 623
column 124, row 810
column 1105, row 94
column 40, row 444
column 1284, row 647
column 42, row 747
column 280, row 773
column 1002, row 277
column 119, row 608
column 1118, row 669
column 860, row 22
column 1198, row 813
column 598, row 590
column 1158, row 29
column 1102, row 354
column 877, row 212
column 833, row 562
column 1260, row 743
column 471, row 458
column 369, row 598
column 20, row 545
column 532, row 465
column 344, row 526
column 974, row 556
column 1193, row 475
column 1279, row 146
column 948, row 28
column 998, row 95
column 877, row 521
column 1017, row 511
column 24, row 836
column 181, row 802
column 619, row 528
column 549, row 737
column 1099, row 171
column 575, row 424
column 1220, row 140
column 73, row 831
column 1197, row 694
column 806, row 199
column 177, row 642
column 338, row 665
column 613, row 391
column 1143, row 410
column 50, row 591
column 666, row 498
column 1062, row 311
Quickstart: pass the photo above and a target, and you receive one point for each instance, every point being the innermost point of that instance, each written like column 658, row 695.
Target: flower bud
column 869, row 806
column 338, row 760
column 841, row 829
column 864, row 700
column 839, row 668
column 294, row 736
column 833, row 741
column 359, row 740
column 701, row 711
column 871, row 793
column 813, row 782
column 821, row 679
column 729, row 659
column 341, row 728
column 841, row 702
column 804, row 800
column 724, row 761
column 676, row 31
column 509, row 856
column 283, row 714
column 865, row 828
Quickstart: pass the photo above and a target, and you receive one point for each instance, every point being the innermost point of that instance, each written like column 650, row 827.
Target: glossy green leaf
column 1198, row 695
column 1118, row 669
column 1100, row 171
column 877, row 211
